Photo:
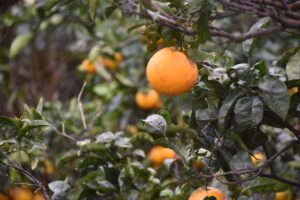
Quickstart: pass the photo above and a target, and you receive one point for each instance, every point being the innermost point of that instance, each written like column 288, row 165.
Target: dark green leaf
column 275, row 95
column 267, row 185
column 10, row 125
column 248, row 111
column 253, row 138
column 248, row 45
column 262, row 68
column 93, row 4
column 50, row 4
column 284, row 58
column 207, row 115
column 109, row 10
column 203, row 24
column 227, row 106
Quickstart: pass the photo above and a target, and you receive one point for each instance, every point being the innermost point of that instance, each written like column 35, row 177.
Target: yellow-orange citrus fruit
column 198, row 164
column 158, row 154
column 132, row 129
column 256, row 158
column 88, row 66
column 108, row 63
column 119, row 57
column 171, row 72
column 285, row 195
column 3, row 197
column 147, row 100
column 292, row 91
column 38, row 196
column 201, row 193
column 49, row 167
column 22, row 194
column 160, row 42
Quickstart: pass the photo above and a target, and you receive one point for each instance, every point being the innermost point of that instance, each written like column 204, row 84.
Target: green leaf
column 94, row 53
column 59, row 188
column 203, row 24
column 123, row 142
column 39, row 107
column 275, row 95
column 248, row 45
column 70, row 156
column 109, row 10
column 84, row 15
column 207, row 115
column 18, row 43
column 293, row 67
column 227, row 106
column 11, row 126
column 248, row 111
column 284, row 58
column 292, row 83
column 261, row 67
column 50, row 4
column 93, row 4
column 268, row 185
column 253, row 138
column 142, row 136
column 156, row 123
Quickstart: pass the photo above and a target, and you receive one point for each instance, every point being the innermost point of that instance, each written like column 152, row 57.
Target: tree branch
column 19, row 168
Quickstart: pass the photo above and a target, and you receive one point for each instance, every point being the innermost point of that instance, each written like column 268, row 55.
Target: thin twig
column 19, row 168
column 80, row 105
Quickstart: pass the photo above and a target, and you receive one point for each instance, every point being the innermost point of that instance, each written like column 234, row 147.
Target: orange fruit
column 160, row 42
column 201, row 193
column 158, row 154
column 132, row 129
column 293, row 91
column 3, row 197
column 88, row 66
column 49, row 167
column 108, row 63
column 198, row 164
column 147, row 100
column 256, row 158
column 38, row 196
column 171, row 72
column 119, row 57
column 285, row 195
column 21, row 193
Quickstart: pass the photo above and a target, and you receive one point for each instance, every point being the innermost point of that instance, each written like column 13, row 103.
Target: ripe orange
column 49, row 167
column 198, row 164
column 256, row 158
column 171, row 72
column 285, row 195
column 119, row 57
column 160, row 42
column 201, row 193
column 3, row 197
column 292, row 91
column 147, row 100
column 132, row 129
column 38, row 196
column 108, row 63
column 21, row 193
column 158, row 154
column 88, row 66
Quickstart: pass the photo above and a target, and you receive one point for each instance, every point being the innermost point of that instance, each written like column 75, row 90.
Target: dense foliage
column 82, row 63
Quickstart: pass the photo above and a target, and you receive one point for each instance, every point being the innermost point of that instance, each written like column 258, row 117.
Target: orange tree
column 232, row 133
